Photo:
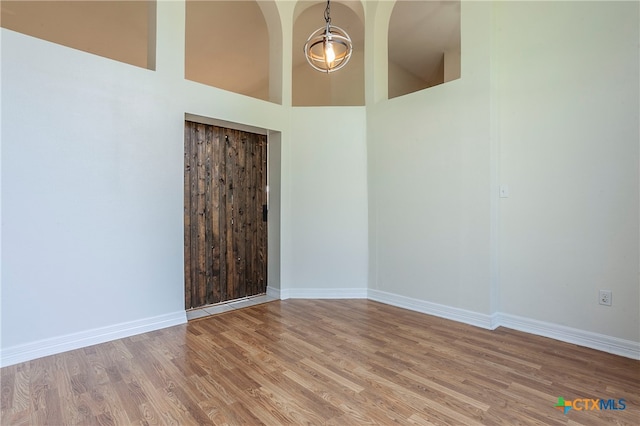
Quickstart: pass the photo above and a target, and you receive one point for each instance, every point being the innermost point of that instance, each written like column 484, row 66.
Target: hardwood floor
column 339, row 362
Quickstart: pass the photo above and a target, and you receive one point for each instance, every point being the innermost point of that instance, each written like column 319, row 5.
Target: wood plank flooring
column 335, row 362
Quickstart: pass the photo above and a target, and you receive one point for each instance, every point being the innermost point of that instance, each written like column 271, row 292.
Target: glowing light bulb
column 329, row 54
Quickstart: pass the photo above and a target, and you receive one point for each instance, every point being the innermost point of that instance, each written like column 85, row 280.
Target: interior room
column 463, row 196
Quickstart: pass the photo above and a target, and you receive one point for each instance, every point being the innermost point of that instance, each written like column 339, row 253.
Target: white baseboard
column 56, row 345
column 435, row 309
column 323, row 293
column 273, row 292
column 601, row 342
column 614, row 345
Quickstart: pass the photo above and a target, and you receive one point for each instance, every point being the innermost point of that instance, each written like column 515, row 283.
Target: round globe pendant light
column 328, row 48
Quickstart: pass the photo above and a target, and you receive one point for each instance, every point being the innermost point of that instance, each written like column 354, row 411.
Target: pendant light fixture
column 328, row 48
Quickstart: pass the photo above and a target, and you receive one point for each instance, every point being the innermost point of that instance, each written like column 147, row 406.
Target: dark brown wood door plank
column 225, row 238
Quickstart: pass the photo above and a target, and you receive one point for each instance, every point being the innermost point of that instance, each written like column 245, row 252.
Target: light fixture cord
column 327, row 13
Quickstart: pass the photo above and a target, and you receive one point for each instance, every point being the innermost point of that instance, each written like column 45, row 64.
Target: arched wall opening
column 423, row 45
column 230, row 45
column 124, row 31
column 314, row 88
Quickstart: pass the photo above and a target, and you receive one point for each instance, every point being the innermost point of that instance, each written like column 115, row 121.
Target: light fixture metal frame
column 328, row 34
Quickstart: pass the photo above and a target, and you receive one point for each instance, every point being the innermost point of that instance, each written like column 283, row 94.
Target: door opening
column 225, row 214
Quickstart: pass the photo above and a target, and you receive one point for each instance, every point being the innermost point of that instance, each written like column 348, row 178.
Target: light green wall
column 429, row 180
column 568, row 120
column 551, row 111
column 329, row 198
column 92, row 159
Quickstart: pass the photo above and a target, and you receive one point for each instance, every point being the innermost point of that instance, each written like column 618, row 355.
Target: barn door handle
column 264, row 212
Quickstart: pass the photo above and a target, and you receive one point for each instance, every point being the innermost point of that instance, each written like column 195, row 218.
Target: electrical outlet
column 604, row 297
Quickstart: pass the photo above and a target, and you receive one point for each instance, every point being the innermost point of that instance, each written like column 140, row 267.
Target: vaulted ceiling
column 227, row 41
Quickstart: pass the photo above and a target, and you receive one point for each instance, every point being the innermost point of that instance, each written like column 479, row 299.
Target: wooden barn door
column 225, row 228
